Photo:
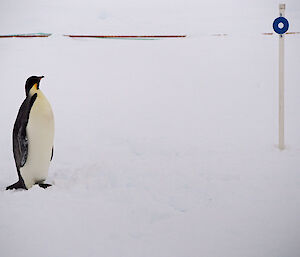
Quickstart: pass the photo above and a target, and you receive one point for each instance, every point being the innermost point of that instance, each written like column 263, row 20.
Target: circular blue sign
column 284, row 27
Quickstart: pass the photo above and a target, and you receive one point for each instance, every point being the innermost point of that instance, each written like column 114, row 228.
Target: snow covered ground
column 163, row 148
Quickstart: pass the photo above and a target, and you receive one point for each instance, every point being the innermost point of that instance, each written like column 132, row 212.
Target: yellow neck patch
column 34, row 89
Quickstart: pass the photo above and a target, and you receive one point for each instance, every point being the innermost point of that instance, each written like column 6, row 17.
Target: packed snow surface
column 163, row 148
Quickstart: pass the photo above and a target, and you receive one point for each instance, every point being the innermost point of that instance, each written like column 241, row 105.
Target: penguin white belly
column 40, row 135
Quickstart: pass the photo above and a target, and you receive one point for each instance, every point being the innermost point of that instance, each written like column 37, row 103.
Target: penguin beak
column 37, row 86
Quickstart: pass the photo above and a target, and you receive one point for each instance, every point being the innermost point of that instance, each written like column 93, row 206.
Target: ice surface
column 163, row 148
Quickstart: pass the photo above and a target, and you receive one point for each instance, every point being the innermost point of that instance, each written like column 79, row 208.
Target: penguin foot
column 16, row 185
column 43, row 185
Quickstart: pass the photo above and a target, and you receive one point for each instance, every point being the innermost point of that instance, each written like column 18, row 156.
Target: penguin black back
column 20, row 141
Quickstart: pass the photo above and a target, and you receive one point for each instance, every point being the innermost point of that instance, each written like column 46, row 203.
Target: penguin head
column 33, row 81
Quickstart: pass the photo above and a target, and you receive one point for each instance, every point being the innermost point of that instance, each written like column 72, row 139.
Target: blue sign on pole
column 285, row 25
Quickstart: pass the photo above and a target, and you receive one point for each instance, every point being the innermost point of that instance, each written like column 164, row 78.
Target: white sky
column 132, row 16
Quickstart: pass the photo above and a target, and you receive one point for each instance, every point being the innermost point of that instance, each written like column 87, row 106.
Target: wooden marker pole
column 281, row 83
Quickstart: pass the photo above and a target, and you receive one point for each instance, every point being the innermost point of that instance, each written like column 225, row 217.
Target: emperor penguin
column 33, row 136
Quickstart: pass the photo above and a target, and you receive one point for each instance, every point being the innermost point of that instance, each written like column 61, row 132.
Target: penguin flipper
column 22, row 145
column 20, row 141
